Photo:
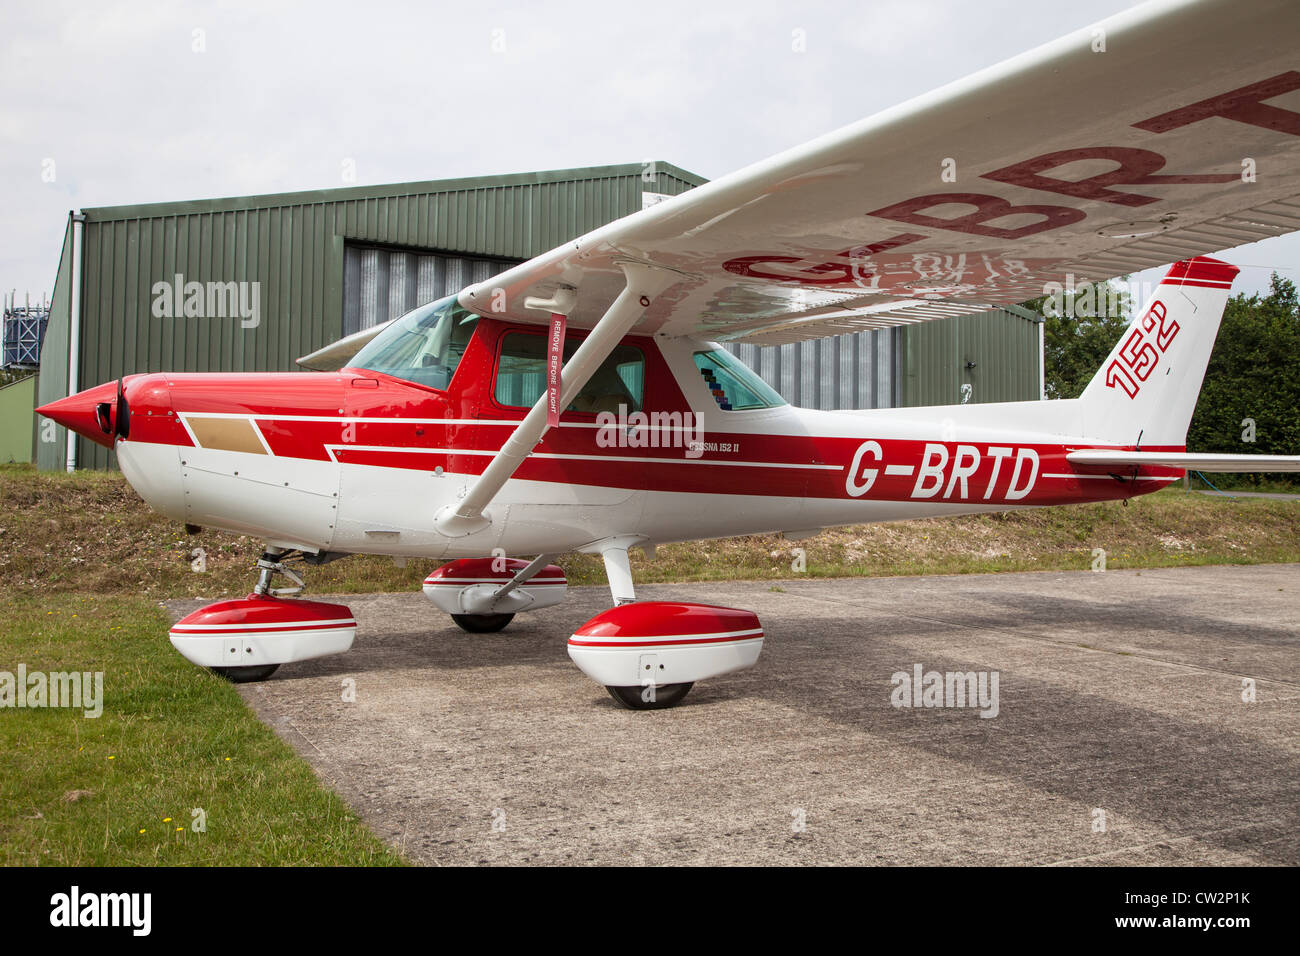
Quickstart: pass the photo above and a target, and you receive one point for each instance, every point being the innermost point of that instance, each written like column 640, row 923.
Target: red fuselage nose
column 91, row 414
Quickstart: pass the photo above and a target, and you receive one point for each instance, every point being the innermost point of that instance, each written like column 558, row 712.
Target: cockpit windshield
column 423, row 346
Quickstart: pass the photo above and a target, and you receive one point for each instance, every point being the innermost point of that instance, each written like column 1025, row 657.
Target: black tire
column 246, row 675
column 482, row 623
column 665, row 695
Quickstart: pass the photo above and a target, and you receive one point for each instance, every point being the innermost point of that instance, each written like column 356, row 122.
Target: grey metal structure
column 993, row 356
column 24, row 331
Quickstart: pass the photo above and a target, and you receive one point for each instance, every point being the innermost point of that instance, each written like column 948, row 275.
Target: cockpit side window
column 734, row 386
column 423, row 346
column 521, row 376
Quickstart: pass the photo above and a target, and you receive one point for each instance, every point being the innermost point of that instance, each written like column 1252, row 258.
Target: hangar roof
column 658, row 168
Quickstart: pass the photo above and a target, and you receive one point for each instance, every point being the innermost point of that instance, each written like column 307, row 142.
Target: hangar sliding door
column 380, row 283
column 853, row 370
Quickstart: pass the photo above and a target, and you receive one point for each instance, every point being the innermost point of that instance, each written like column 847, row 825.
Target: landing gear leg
column 618, row 568
column 270, row 564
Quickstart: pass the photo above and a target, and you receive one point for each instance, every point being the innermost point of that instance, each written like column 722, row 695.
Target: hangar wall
column 51, row 443
column 996, row 353
column 17, row 403
column 294, row 245
column 854, row 370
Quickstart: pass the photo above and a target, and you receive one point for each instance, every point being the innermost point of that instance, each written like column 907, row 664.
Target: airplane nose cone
column 91, row 414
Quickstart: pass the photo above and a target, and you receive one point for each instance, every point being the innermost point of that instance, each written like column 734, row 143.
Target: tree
column 1081, row 326
column 1252, row 385
column 1250, row 400
column 10, row 375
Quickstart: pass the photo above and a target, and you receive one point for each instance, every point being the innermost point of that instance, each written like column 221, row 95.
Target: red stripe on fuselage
column 764, row 465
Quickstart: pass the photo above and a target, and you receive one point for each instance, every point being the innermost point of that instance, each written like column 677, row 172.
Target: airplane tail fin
column 1147, row 388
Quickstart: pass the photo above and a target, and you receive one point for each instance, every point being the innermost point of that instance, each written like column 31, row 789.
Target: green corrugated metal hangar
column 330, row 262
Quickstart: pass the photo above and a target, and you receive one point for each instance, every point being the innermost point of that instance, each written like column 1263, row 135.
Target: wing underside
column 1169, row 131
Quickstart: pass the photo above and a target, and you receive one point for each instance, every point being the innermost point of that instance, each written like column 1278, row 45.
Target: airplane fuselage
column 359, row 462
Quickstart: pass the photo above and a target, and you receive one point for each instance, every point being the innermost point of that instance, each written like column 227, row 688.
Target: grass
column 90, row 533
column 121, row 789
column 1265, row 483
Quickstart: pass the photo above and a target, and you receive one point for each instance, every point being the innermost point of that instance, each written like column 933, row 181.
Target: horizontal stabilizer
column 1189, row 461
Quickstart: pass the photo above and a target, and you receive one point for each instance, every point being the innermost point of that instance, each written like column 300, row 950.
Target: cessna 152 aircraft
column 577, row 402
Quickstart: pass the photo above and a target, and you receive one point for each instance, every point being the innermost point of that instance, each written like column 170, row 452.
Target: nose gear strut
column 269, row 565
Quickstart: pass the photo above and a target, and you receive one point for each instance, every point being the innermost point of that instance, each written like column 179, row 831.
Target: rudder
column 1146, row 390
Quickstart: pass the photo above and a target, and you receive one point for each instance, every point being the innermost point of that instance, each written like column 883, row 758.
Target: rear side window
column 733, row 385
column 521, row 376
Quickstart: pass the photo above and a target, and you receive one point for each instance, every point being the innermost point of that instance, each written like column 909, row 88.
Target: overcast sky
column 115, row 103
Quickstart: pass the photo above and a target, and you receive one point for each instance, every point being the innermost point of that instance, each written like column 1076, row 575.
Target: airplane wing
column 336, row 355
column 1168, row 131
column 1186, row 460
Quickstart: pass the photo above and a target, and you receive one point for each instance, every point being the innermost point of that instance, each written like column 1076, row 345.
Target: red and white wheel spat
column 664, row 642
column 468, row 586
column 261, row 629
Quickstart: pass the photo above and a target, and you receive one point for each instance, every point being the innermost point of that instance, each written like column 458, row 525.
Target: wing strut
column 524, row 576
column 643, row 284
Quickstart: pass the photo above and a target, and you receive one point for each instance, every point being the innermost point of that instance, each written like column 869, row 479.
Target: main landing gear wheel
column 246, row 675
column 665, row 695
column 482, row 623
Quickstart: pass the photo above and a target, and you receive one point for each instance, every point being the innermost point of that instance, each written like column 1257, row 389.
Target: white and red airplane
column 1164, row 133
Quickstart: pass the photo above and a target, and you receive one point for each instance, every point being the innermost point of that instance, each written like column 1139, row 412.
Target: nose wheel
column 269, row 565
column 246, row 639
column 246, row 675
